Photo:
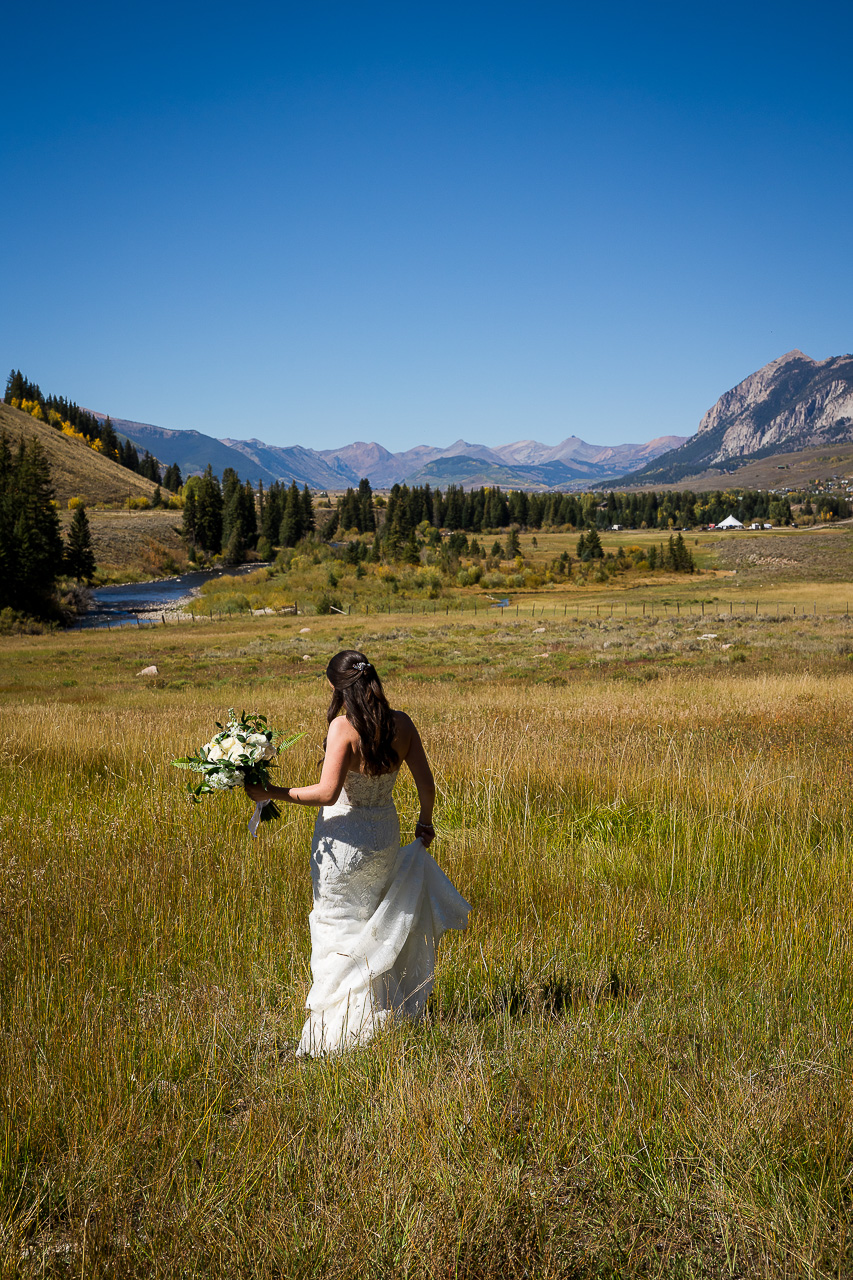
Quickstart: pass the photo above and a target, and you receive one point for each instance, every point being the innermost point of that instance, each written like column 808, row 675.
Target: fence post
column 163, row 616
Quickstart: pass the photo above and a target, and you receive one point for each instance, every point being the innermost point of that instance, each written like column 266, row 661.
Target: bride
column 379, row 908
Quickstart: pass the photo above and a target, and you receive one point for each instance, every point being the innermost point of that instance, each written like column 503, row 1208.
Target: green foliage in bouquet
column 243, row 750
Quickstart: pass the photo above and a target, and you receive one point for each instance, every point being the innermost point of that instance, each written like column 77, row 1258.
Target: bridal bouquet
column 242, row 751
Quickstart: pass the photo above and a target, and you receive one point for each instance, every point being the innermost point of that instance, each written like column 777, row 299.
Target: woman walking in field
column 379, row 908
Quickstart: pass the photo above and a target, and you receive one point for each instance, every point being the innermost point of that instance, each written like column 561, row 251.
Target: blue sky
column 408, row 223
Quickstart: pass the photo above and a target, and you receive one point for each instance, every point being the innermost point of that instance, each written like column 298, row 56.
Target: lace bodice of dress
column 362, row 792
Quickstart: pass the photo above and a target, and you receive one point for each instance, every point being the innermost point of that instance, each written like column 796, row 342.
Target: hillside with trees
column 74, row 423
column 77, row 470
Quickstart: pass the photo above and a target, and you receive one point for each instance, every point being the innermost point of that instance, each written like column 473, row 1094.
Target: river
column 115, row 606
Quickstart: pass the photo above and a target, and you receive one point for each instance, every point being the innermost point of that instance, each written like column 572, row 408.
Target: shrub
column 327, row 603
column 74, row 503
column 14, row 623
column 138, row 504
column 236, row 603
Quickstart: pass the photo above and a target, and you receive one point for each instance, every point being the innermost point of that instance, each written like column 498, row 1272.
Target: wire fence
column 496, row 610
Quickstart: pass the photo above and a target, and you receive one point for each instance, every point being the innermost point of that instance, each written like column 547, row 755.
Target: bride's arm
column 416, row 759
column 336, row 765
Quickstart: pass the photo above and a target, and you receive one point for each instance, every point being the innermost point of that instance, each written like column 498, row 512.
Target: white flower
column 225, row 779
column 226, row 744
column 236, row 753
column 213, row 751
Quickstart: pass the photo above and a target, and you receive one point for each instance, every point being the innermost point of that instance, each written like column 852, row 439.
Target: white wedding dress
column 379, row 911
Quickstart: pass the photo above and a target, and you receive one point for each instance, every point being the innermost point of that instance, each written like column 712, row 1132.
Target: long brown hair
column 358, row 691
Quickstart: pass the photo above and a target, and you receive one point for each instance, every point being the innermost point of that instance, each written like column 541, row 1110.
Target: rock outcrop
column 792, row 403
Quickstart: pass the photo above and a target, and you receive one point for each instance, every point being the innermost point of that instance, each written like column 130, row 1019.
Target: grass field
column 638, row 1059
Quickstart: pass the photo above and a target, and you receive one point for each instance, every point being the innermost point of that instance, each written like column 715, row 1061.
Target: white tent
column 730, row 523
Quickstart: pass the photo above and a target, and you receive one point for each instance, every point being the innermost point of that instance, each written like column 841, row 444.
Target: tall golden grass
column 638, row 1057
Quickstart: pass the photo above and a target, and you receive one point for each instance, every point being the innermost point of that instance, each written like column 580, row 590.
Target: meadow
column 637, row 1060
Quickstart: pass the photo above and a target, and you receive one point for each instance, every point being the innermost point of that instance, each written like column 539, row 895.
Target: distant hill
column 572, row 464
column 76, row 470
column 791, row 404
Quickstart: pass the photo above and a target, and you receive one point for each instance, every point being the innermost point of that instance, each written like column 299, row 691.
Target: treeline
column 477, row 510
column 230, row 517
column 69, row 418
column 32, row 552
column 410, row 512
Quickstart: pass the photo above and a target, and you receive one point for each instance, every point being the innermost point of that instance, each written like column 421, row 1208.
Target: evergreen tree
column 349, row 511
column 589, row 546
column 230, row 482
column 190, row 530
column 513, row 546
column 307, row 512
column 209, row 512
column 249, row 514
column 290, row 530
column 272, row 513
column 79, row 557
column 128, row 456
column 149, row 467
column 239, row 522
column 31, row 550
column 109, row 439
column 172, row 478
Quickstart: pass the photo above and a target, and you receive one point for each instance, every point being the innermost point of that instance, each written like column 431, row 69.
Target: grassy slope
column 134, row 544
column 639, row 1059
column 76, row 469
column 779, row 471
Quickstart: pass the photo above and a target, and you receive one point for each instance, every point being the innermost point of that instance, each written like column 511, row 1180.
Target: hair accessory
column 361, row 666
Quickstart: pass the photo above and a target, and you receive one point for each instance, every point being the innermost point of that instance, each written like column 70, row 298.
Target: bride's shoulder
column 404, row 729
column 340, row 730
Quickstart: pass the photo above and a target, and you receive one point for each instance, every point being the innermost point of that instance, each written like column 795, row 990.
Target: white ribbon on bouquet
column 255, row 820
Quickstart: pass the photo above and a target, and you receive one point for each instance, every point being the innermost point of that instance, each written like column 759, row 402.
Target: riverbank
column 127, row 602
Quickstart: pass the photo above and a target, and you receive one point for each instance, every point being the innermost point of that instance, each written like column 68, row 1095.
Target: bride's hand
column 425, row 832
column 256, row 792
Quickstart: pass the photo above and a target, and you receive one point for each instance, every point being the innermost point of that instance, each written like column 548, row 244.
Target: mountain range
column 527, row 464
column 792, row 403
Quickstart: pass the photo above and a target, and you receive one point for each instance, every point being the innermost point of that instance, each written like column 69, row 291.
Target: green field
column 638, row 1058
